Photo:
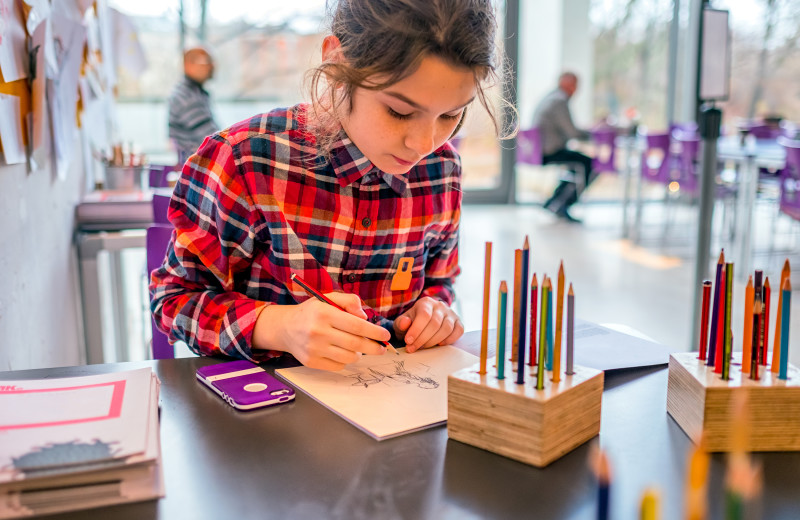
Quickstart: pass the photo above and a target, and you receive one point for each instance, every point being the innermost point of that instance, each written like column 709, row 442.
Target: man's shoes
column 564, row 215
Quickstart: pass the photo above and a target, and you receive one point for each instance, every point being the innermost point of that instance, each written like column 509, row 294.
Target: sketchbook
column 386, row 396
column 78, row 443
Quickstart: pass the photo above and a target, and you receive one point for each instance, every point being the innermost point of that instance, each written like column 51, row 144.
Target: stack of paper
column 79, row 443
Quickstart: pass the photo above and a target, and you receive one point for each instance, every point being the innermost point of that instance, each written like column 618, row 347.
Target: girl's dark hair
column 387, row 40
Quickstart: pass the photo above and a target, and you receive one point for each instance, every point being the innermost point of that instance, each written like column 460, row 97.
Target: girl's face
column 397, row 126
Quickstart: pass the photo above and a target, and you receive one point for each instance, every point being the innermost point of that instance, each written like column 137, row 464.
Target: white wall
column 554, row 36
column 40, row 312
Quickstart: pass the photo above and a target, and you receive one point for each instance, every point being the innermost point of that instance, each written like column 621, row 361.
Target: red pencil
column 321, row 297
column 534, row 297
column 704, row 320
column 765, row 321
column 756, row 334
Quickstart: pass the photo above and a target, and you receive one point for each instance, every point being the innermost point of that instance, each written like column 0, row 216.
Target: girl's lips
column 401, row 161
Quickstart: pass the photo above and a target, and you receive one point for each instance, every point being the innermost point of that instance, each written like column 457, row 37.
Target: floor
column 646, row 286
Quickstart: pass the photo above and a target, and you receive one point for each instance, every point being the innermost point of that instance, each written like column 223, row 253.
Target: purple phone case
column 244, row 385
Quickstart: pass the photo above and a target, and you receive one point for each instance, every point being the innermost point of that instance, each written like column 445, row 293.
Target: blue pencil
column 715, row 317
column 787, row 304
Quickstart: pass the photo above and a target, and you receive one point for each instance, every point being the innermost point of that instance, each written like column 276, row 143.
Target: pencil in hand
column 321, row 297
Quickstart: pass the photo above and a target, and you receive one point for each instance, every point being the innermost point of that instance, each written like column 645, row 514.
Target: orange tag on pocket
column 402, row 277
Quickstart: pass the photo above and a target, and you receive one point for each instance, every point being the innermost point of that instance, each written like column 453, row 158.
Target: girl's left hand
column 428, row 323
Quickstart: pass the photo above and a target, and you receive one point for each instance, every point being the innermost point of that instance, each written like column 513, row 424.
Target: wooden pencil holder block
column 520, row 422
column 701, row 402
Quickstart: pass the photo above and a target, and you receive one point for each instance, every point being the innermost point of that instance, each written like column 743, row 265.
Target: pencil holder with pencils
column 703, row 385
column 532, row 412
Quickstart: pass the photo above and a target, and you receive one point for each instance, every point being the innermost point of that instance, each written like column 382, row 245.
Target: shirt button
column 352, row 277
column 366, row 222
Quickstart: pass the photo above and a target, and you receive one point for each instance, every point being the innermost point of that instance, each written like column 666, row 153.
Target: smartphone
column 244, row 385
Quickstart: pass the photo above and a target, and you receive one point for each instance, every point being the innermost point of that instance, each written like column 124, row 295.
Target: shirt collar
column 350, row 165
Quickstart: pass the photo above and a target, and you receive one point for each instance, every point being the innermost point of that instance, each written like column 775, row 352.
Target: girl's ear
column 332, row 49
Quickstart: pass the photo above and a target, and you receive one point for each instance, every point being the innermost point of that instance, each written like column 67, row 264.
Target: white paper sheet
column 69, row 37
column 11, row 130
column 61, row 422
column 386, row 395
column 13, row 48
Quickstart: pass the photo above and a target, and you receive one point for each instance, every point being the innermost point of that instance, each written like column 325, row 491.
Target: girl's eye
column 398, row 115
column 448, row 117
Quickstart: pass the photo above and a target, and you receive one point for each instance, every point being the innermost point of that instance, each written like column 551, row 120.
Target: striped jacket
column 256, row 203
column 190, row 117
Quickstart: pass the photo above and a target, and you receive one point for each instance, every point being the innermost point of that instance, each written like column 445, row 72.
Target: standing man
column 554, row 121
column 190, row 117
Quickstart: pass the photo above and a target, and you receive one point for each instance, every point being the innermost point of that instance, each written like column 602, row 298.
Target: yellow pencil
column 559, row 323
column 649, row 507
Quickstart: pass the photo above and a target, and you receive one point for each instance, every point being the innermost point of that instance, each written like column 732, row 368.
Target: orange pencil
column 534, row 298
column 559, row 323
column 517, row 304
column 487, row 272
column 776, row 345
column 747, row 333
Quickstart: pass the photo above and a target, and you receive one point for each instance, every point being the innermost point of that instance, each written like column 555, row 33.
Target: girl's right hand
column 318, row 334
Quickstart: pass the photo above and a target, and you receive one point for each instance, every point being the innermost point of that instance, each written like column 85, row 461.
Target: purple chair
column 605, row 157
column 529, row 146
column 687, row 145
column 790, row 179
column 156, row 242
column 159, row 174
column 160, row 208
column 656, row 158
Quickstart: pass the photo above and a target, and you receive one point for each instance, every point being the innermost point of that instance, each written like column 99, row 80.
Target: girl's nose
column 420, row 138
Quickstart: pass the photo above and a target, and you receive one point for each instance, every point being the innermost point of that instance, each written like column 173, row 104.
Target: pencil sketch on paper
column 394, row 374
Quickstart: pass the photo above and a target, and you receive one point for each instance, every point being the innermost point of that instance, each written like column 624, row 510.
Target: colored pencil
column 728, row 345
column 550, row 302
column 765, row 320
column 534, row 297
column 603, row 472
column 570, row 331
column 500, row 356
column 649, row 506
column 697, row 483
column 523, row 313
column 321, row 297
column 487, row 274
column 747, row 329
column 758, row 287
column 776, row 352
column 701, row 347
column 715, row 315
column 542, row 336
column 720, row 343
column 517, row 294
column 756, row 333
column 786, row 294
column 559, row 324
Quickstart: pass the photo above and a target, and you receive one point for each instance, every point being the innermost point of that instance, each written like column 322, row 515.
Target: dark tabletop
column 299, row 460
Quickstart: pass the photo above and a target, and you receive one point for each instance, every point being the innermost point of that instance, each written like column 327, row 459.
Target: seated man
column 554, row 121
